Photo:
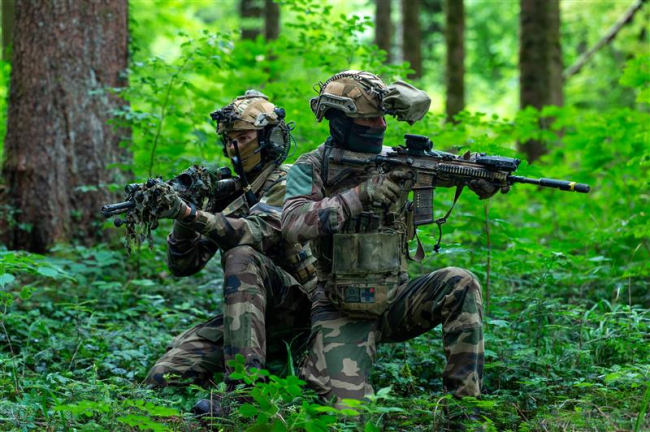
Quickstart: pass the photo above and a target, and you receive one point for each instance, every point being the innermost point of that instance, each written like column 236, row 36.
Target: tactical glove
column 484, row 189
column 171, row 206
column 381, row 190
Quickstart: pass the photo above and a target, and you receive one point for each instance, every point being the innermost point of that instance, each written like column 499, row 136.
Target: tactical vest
column 362, row 265
column 294, row 258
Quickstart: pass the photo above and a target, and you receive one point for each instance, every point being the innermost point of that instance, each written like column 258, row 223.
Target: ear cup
column 275, row 142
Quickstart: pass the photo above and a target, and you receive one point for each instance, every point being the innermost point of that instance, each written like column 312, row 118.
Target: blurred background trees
column 455, row 64
column 485, row 56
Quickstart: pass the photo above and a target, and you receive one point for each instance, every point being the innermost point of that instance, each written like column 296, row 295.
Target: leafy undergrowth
column 566, row 281
column 81, row 328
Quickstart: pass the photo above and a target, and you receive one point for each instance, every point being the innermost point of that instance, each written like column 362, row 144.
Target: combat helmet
column 253, row 111
column 358, row 94
column 361, row 94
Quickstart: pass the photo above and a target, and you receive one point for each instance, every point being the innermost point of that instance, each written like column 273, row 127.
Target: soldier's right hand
column 381, row 190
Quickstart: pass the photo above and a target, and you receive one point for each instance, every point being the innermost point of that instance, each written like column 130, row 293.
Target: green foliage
column 171, row 98
column 567, row 319
column 278, row 404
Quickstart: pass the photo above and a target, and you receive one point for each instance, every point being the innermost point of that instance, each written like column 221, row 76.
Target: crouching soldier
column 264, row 276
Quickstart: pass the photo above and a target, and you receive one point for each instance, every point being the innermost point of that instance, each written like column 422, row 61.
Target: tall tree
column 540, row 61
column 250, row 12
column 271, row 20
column 59, row 145
column 455, row 67
column 411, row 39
column 8, row 12
column 384, row 27
column 432, row 25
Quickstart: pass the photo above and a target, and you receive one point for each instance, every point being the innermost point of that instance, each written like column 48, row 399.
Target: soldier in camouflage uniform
column 263, row 274
column 359, row 222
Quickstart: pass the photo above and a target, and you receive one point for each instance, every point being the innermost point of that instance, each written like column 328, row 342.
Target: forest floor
column 81, row 328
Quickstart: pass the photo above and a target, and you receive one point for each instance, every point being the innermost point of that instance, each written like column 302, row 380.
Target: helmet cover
column 253, row 111
column 358, row 94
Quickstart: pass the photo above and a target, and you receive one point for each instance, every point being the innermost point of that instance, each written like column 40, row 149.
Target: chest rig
column 367, row 255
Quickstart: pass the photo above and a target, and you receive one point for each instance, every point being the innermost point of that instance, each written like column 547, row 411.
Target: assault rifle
column 198, row 185
column 430, row 168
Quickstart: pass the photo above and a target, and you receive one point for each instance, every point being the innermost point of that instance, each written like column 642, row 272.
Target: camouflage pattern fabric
column 258, row 284
column 342, row 347
column 262, row 303
column 195, row 355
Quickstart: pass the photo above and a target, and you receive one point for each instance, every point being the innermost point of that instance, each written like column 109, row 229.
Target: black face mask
column 352, row 136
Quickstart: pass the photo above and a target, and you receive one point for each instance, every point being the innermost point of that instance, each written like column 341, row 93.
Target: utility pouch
column 365, row 269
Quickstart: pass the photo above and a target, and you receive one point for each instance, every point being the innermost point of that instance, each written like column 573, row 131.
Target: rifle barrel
column 552, row 183
column 113, row 209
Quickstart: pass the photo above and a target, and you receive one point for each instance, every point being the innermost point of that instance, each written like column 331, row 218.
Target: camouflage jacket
column 321, row 201
column 191, row 246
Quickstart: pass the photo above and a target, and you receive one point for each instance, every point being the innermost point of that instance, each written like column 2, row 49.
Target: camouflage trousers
column 262, row 302
column 342, row 349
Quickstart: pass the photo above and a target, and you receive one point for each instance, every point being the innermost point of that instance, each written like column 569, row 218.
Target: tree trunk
column 58, row 145
column 411, row 36
column 540, row 61
column 555, row 64
column 384, row 27
column 455, row 70
column 8, row 12
column 271, row 20
column 250, row 12
column 432, row 28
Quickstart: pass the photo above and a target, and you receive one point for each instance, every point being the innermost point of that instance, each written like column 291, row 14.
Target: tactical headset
column 275, row 140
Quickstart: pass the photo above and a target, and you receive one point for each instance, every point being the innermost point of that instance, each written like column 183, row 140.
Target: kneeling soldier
column 263, row 274
column 359, row 223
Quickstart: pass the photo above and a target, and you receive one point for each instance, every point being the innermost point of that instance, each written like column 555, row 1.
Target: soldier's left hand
column 484, row 189
column 171, row 206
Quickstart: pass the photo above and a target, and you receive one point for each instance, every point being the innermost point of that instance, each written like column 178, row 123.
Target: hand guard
column 484, row 189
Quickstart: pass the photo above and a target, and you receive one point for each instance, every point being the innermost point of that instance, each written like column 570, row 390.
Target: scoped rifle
column 430, row 168
column 198, row 185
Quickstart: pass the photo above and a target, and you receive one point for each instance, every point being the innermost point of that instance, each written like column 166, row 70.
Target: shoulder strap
column 326, row 162
column 261, row 179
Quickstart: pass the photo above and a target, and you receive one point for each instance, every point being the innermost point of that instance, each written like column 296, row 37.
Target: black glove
column 484, row 189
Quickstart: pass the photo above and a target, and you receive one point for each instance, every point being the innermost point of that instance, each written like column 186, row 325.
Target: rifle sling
column 443, row 220
column 255, row 187
column 419, row 254
column 261, row 179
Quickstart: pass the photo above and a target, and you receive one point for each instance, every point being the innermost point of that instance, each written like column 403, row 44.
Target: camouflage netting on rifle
column 145, row 202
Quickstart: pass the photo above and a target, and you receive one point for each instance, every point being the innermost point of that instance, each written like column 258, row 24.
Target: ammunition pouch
column 301, row 266
column 365, row 272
